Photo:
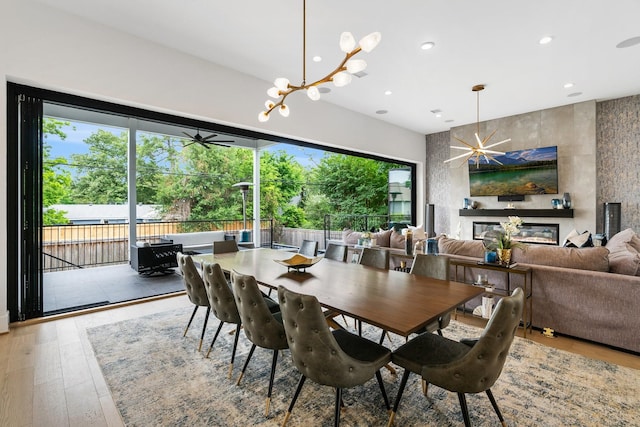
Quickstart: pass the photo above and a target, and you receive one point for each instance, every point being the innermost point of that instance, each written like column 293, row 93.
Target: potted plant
column 502, row 241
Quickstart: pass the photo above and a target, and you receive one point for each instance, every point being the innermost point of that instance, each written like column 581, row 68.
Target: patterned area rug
column 158, row 378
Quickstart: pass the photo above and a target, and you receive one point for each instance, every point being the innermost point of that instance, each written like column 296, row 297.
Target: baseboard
column 4, row 323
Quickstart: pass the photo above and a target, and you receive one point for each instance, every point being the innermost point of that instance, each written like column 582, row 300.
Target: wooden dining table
column 392, row 300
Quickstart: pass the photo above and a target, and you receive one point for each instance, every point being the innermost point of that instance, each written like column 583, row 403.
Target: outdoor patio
column 91, row 287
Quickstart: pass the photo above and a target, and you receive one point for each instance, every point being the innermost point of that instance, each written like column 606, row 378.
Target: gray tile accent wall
column 618, row 159
column 438, row 185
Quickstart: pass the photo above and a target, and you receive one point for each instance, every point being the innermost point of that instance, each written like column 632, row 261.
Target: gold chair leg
column 230, row 370
column 391, row 369
column 266, row 410
column 200, row 346
column 239, row 378
column 286, row 418
column 392, row 418
column 425, row 387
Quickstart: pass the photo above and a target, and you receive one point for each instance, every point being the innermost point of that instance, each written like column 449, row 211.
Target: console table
column 525, row 272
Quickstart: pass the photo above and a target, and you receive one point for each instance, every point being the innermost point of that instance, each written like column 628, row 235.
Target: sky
column 77, row 132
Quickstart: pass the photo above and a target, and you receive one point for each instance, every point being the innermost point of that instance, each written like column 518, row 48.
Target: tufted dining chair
column 378, row 258
column 196, row 291
column 472, row 366
column 263, row 328
column 309, row 248
column 437, row 267
column 225, row 246
column 335, row 358
column 223, row 304
column 336, row 252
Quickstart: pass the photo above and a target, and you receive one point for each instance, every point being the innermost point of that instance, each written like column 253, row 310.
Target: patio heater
column 244, row 188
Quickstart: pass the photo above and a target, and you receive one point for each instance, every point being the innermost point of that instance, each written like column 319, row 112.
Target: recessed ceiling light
column 438, row 115
column 568, row 85
column 382, row 112
column 317, row 58
column 387, row 92
column 571, row 95
column 427, row 45
column 629, row 42
column 545, row 40
column 448, row 121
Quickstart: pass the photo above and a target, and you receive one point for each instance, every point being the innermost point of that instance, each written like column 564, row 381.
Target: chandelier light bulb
column 368, row 43
column 347, row 42
column 341, row 79
column 284, row 110
column 269, row 104
column 281, row 83
column 263, row 117
column 273, row 92
column 313, row 93
column 356, row 65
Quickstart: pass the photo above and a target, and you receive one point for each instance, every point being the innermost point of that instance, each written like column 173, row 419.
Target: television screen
column 532, row 171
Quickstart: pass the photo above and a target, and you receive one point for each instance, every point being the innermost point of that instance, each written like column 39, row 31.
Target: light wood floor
column 49, row 374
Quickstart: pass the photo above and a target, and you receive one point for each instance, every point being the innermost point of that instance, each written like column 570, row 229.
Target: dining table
column 395, row 301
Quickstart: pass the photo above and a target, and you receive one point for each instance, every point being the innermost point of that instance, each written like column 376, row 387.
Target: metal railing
column 66, row 247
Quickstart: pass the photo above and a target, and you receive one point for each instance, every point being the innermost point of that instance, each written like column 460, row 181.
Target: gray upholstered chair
column 334, row 358
column 336, row 252
column 437, row 267
column 223, row 303
column 262, row 327
column 470, row 367
column 196, row 291
column 309, row 248
column 225, row 246
column 378, row 258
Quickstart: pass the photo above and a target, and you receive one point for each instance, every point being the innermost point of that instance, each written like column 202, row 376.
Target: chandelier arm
column 469, row 154
column 497, row 143
column 487, row 138
column 489, row 151
column 461, row 148
column 465, row 143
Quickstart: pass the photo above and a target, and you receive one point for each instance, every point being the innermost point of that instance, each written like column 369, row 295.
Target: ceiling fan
column 205, row 141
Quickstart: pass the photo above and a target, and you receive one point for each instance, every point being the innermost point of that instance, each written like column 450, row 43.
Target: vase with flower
column 502, row 242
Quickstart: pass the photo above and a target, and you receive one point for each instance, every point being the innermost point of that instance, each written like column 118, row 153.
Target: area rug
column 158, row 378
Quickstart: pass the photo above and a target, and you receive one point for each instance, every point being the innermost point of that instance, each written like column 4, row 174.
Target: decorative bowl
column 298, row 262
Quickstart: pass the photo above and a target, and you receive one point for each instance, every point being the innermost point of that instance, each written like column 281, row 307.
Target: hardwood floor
column 50, row 376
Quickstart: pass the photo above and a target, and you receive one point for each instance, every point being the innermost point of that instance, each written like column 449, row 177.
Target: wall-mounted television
column 521, row 172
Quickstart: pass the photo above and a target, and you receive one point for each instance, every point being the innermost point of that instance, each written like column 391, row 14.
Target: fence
column 66, row 247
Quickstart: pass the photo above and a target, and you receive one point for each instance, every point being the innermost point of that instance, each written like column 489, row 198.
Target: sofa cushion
column 471, row 248
column 623, row 257
column 593, row 258
column 383, row 238
column 350, row 237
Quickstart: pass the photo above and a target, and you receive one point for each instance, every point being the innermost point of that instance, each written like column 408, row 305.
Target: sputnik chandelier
column 481, row 150
column 341, row 76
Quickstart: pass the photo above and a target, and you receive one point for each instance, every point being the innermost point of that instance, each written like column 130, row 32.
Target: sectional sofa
column 591, row 293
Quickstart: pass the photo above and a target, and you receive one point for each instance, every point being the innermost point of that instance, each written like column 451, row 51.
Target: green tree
column 353, row 185
column 56, row 180
column 102, row 172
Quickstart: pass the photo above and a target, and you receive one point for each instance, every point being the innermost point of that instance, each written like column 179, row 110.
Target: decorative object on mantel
column 340, row 76
column 566, row 201
column 481, row 150
column 556, row 203
column 502, row 242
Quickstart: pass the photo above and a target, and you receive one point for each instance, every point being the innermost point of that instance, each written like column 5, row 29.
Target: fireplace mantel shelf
column 539, row 213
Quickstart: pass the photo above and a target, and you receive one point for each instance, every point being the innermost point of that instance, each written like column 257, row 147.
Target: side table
column 524, row 272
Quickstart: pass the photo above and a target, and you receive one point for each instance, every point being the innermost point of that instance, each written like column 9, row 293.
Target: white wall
column 62, row 52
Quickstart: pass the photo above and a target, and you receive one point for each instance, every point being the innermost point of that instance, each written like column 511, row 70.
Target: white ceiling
column 493, row 42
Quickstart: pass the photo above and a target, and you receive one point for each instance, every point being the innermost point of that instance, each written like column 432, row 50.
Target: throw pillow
column 578, row 240
column 623, row 257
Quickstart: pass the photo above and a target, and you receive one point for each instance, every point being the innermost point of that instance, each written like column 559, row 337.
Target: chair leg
column 204, row 328
column 246, row 362
column 465, row 409
column 336, row 420
column 440, row 332
column 215, row 337
column 235, row 346
column 403, row 383
column 495, row 407
column 190, row 320
column 384, row 392
column 274, row 362
column 293, row 401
